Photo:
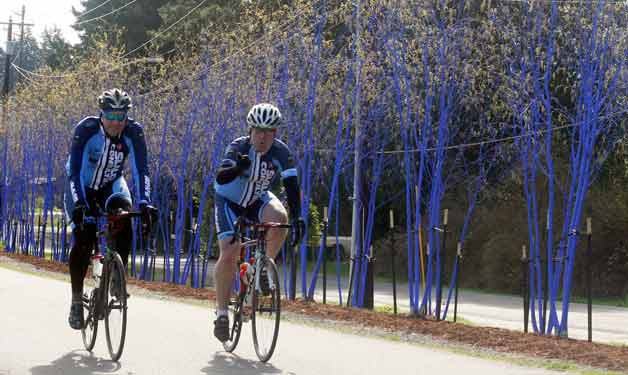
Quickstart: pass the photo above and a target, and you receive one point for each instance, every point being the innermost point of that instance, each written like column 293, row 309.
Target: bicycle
column 249, row 300
column 108, row 299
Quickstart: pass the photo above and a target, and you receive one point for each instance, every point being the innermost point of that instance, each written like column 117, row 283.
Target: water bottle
column 250, row 269
column 96, row 266
column 245, row 269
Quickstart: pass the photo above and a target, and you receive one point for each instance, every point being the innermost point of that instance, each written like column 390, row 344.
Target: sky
column 44, row 14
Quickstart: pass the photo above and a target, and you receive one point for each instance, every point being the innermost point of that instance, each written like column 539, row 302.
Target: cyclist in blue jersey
column 251, row 166
column 100, row 146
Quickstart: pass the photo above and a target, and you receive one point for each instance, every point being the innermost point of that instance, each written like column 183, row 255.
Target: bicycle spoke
column 235, row 319
column 115, row 315
column 90, row 328
column 266, row 313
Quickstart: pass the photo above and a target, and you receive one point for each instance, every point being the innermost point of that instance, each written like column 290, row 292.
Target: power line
column 114, row 68
column 26, row 71
column 93, row 9
column 481, row 143
column 105, row 15
column 168, row 28
column 25, row 76
column 125, row 55
column 10, row 48
column 236, row 53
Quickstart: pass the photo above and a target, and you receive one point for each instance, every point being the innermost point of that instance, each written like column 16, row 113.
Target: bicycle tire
column 266, row 307
column 90, row 326
column 115, row 268
column 236, row 304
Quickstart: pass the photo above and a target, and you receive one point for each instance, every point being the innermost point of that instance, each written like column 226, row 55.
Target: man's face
column 114, row 122
column 262, row 139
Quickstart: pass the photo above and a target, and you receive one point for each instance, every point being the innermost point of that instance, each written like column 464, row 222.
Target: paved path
column 610, row 324
column 166, row 337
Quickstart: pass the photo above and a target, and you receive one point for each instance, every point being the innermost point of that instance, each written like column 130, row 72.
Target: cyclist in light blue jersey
column 251, row 166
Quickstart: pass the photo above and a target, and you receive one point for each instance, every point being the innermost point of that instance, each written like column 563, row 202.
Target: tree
column 56, row 52
column 208, row 21
column 126, row 27
column 2, row 59
column 27, row 57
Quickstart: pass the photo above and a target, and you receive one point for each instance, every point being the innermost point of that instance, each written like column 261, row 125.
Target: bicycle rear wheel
column 116, row 306
column 90, row 328
column 266, row 311
column 236, row 305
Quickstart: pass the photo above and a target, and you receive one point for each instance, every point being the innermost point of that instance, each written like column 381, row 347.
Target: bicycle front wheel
column 90, row 327
column 266, row 310
column 116, row 306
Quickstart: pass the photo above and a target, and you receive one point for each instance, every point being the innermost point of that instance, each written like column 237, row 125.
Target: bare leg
column 275, row 212
column 224, row 271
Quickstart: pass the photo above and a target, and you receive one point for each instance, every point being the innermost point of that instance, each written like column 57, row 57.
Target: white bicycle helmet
column 264, row 116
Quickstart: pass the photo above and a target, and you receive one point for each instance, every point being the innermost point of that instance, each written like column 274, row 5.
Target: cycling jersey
column 97, row 160
column 265, row 170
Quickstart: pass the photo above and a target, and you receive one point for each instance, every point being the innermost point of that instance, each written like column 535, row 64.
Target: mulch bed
column 596, row 355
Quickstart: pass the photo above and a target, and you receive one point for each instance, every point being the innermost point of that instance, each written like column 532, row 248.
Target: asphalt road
column 483, row 309
column 169, row 337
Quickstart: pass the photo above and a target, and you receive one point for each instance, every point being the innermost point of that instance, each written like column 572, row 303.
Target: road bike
column 256, row 294
column 107, row 300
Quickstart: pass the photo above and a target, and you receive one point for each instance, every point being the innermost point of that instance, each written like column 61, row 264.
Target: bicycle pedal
column 246, row 314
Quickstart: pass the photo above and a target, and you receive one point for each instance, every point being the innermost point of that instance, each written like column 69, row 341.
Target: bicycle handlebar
column 242, row 223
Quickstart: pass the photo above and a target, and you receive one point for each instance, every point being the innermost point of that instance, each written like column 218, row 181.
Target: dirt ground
column 600, row 356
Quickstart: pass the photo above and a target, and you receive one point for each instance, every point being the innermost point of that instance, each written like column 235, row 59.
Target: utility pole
column 21, row 59
column 7, row 71
column 3, row 123
column 7, row 62
column 9, row 53
column 356, row 227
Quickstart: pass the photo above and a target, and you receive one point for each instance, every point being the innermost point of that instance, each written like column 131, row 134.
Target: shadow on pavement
column 77, row 362
column 228, row 363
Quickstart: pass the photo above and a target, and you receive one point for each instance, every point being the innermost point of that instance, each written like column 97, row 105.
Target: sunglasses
column 114, row 115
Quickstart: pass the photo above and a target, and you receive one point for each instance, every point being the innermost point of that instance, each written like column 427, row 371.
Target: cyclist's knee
column 277, row 234
column 275, row 213
column 79, row 256
column 228, row 251
column 85, row 234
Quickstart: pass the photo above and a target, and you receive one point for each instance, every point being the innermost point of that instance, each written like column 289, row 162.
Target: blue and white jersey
column 96, row 160
column 265, row 171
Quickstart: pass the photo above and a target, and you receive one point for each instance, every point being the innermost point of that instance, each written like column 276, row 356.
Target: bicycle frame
column 111, row 229
column 258, row 239
column 252, row 300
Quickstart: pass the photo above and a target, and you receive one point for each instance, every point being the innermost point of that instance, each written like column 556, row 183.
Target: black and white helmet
column 115, row 99
column 264, row 116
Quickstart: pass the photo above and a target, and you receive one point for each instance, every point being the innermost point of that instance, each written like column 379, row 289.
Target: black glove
column 85, row 233
column 243, row 162
column 78, row 214
column 298, row 230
